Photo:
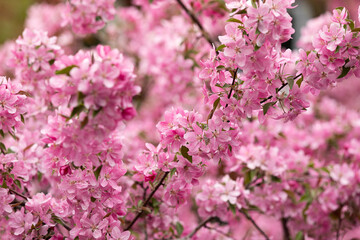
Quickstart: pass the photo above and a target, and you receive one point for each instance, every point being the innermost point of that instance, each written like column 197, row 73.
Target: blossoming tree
column 179, row 120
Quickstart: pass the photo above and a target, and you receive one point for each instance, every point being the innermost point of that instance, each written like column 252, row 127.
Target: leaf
column 172, row 172
column 96, row 112
column 2, row 147
column 298, row 82
column 93, row 199
column 18, row 183
column 299, row 236
column 351, row 23
column 253, row 3
column 345, row 71
column 290, row 81
column 232, row 208
column 65, row 70
column 234, row 20
column 22, row 118
column 84, row 122
column 97, row 172
column 2, row 133
column 81, row 97
column 39, row 176
column 266, row 107
column 184, row 152
column 291, row 195
column 256, row 48
column 221, row 47
column 25, row 93
column 215, row 105
column 77, row 110
column 52, row 61
column 57, row 220
column 179, row 228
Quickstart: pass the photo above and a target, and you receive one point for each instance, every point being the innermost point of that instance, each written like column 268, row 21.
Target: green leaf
column 66, row 70
column 253, row 3
column 215, row 105
column 93, row 199
column 257, row 31
column 298, row 82
column 172, row 172
column 2, row 147
column 96, row 112
column 57, row 220
column 266, row 107
column 256, row 48
column 77, row 110
column 84, row 122
column 39, row 176
column 351, row 23
column 179, row 228
column 97, row 172
column 345, row 71
column 299, row 236
column 52, row 61
column 18, row 183
column 81, row 97
column 291, row 195
column 232, row 208
column 234, row 20
column 4, row 185
column 22, row 118
column 184, row 152
column 2, row 133
column 221, row 47
column 290, row 81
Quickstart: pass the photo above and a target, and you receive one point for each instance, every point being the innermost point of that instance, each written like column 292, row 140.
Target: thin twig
column 197, row 22
column 19, row 194
column 254, row 223
column 147, row 201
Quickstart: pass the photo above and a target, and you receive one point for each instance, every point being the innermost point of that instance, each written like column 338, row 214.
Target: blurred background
column 13, row 13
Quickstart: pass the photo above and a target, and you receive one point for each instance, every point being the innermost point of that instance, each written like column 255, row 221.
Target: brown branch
column 19, row 194
column 282, row 86
column 203, row 224
column 197, row 22
column 146, row 202
column 254, row 223
column 285, row 227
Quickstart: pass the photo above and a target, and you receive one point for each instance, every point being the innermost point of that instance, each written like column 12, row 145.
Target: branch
column 197, row 22
column 203, row 224
column 285, row 227
column 282, row 86
column 17, row 193
column 254, row 223
column 146, row 202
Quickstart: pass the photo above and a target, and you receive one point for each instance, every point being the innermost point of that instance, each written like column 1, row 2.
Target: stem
column 232, row 84
column 146, row 202
column 254, row 223
column 17, row 193
column 197, row 22
column 285, row 227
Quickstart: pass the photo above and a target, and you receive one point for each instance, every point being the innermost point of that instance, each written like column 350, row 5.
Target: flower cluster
column 225, row 139
column 88, row 16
